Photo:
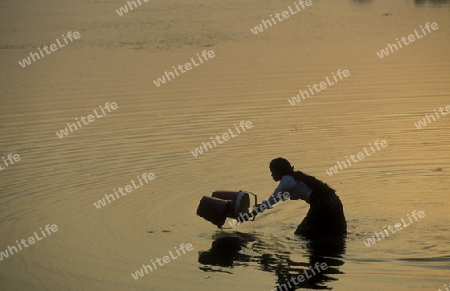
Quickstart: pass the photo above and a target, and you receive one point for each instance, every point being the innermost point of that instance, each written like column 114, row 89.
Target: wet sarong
column 325, row 216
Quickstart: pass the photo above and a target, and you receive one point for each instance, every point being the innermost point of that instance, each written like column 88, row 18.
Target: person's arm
column 281, row 193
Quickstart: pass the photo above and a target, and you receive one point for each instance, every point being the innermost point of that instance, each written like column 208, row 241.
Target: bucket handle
column 256, row 202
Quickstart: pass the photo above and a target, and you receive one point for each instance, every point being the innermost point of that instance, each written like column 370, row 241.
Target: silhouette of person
column 326, row 213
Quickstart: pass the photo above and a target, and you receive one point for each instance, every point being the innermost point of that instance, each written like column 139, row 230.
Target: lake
column 89, row 123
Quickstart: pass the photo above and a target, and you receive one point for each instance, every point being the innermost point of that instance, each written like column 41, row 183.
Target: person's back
column 326, row 213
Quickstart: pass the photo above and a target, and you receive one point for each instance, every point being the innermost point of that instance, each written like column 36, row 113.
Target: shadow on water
column 230, row 250
column 225, row 251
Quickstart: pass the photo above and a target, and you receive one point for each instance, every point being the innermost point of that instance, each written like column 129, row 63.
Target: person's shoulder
column 288, row 179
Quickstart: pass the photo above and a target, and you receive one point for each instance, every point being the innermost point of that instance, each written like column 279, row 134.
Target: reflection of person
column 326, row 213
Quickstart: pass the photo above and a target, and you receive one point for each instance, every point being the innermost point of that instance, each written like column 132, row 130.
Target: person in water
column 326, row 213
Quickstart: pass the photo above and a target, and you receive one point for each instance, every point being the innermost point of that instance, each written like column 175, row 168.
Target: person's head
column 280, row 167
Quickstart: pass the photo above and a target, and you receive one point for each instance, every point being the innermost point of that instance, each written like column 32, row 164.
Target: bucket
column 214, row 210
column 240, row 201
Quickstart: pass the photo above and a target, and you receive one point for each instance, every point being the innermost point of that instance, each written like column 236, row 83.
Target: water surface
column 155, row 129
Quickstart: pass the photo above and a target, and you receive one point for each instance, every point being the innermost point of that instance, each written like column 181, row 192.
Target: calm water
column 154, row 129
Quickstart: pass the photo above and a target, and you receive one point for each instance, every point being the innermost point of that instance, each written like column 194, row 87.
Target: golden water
column 155, row 129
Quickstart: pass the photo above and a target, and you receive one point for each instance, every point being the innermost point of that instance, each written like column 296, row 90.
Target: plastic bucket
column 240, row 201
column 214, row 210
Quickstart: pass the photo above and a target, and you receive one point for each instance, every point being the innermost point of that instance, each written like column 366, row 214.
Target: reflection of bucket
column 214, row 210
column 240, row 201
